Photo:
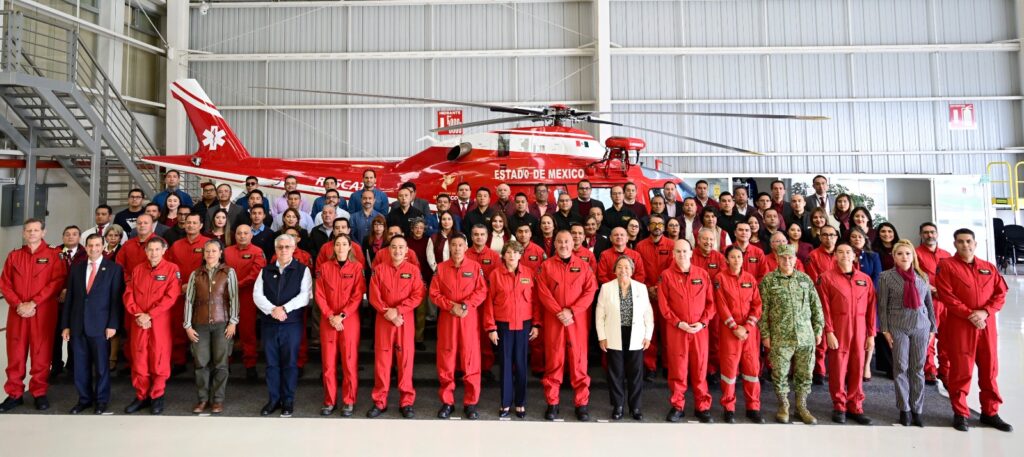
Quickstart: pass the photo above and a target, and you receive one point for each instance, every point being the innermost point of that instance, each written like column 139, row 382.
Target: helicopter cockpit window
column 556, row 191
column 503, row 145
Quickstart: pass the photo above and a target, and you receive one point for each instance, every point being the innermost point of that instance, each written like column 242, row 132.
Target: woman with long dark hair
column 884, row 242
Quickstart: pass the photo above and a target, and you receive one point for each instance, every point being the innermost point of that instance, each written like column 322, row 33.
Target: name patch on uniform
column 752, row 260
column 246, row 256
column 406, row 276
column 664, row 252
column 486, row 261
column 160, row 278
column 533, row 258
column 696, row 281
column 198, row 250
column 985, row 272
column 626, row 218
column 467, row 274
column 574, row 269
column 746, row 285
column 712, row 265
column 524, row 280
column 347, row 276
column 861, row 282
column 42, row 260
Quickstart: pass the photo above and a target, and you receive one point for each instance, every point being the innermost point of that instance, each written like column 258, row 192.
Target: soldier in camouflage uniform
column 791, row 326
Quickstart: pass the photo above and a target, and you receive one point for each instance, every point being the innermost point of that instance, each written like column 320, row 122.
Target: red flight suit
column 489, row 260
column 606, row 267
column 154, row 291
column 339, row 290
column 532, row 257
column 565, row 285
column 401, row 288
column 686, row 297
column 657, row 257
column 753, row 261
column 383, row 256
column 510, row 298
column 848, row 303
column 818, row 263
column 929, row 262
column 964, row 288
column 31, row 277
column 713, row 263
column 188, row 256
column 738, row 303
column 247, row 262
column 131, row 255
column 327, row 253
column 458, row 339
column 587, row 256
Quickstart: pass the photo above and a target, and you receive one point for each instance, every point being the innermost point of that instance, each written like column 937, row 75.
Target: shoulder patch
column 177, row 274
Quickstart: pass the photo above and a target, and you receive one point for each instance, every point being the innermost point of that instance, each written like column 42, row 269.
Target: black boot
column 960, row 423
column 445, row 411
column 996, row 422
column 729, row 417
column 839, row 417
column 551, row 413
column 583, row 413
column 617, row 413
column 755, row 416
column 11, row 403
column 674, row 415
column 905, row 418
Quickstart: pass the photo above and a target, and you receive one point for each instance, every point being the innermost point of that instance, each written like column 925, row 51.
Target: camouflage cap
column 785, row 249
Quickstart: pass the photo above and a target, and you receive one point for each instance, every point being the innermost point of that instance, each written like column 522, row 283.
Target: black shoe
column 407, row 412
column 960, row 423
column 470, row 412
column 705, row 416
column 346, row 410
column 714, row 380
column 552, row 413
column 617, row 413
column 101, row 409
column 287, row 410
column 521, row 414
column 251, row 376
column 839, row 417
column 638, row 415
column 504, row 412
column 269, row 408
column 375, row 411
column 445, row 411
column 421, row 347
column 177, row 369
column 157, row 406
column 755, row 416
column 729, row 417
column 79, row 407
column 818, row 380
column 327, row 410
column 905, row 418
column 136, row 405
column 996, row 422
column 865, row 420
column 583, row 413
column 915, row 420
column 56, row 370
column 649, row 375
column 930, row 382
column 42, row 403
column 674, row 415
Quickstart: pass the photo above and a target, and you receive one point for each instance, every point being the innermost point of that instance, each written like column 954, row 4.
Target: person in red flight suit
column 820, row 261
column 341, row 227
column 929, row 254
column 656, row 252
column 339, row 291
column 32, row 278
column 686, row 301
column 533, row 256
column 149, row 299
column 712, row 261
column 248, row 261
column 754, row 256
column 738, row 304
column 488, row 259
column 396, row 289
column 565, row 288
column 848, row 304
column 458, row 289
column 972, row 291
column 578, row 233
column 187, row 254
column 606, row 266
column 131, row 255
column 771, row 259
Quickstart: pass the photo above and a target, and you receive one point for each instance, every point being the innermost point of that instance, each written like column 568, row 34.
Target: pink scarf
column 910, row 298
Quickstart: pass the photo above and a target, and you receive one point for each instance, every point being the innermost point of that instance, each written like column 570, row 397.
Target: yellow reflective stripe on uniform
column 751, row 378
column 728, row 380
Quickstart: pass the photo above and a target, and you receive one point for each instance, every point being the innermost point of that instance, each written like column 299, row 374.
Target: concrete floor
column 52, row 434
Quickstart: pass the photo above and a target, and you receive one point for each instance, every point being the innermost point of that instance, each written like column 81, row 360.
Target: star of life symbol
column 213, row 137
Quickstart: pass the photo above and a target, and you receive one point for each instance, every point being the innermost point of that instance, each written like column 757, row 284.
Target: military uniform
column 792, row 319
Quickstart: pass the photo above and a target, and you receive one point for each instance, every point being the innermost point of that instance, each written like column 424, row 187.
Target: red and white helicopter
column 555, row 153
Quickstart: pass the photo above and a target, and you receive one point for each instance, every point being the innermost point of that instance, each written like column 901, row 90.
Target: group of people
column 713, row 290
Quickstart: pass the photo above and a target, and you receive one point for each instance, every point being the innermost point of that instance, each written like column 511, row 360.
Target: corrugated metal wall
column 906, row 131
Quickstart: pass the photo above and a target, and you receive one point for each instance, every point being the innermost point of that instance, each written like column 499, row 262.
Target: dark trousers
column 91, row 352
column 625, row 373
column 883, row 356
column 513, row 345
column 281, row 349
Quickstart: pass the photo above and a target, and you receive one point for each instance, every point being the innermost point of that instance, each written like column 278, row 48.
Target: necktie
column 92, row 276
column 463, row 207
column 821, row 202
column 99, row 229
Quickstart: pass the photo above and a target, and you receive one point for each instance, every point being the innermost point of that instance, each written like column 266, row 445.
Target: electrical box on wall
column 12, row 201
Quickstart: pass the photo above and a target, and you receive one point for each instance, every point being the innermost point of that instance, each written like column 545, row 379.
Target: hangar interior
column 924, row 97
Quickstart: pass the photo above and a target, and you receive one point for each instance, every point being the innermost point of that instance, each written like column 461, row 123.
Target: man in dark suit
column 582, row 203
column 821, row 197
column 90, row 317
column 224, row 202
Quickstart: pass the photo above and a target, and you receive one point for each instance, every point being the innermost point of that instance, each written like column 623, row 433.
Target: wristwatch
column 464, row 307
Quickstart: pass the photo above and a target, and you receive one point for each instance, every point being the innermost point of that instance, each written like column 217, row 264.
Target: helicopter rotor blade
column 494, row 108
column 739, row 115
column 696, row 140
column 486, row 122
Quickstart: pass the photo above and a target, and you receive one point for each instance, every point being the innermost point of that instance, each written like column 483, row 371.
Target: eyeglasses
column 250, row 184
column 656, row 224
column 828, row 235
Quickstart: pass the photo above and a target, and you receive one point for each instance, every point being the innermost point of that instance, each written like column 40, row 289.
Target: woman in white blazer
column 625, row 324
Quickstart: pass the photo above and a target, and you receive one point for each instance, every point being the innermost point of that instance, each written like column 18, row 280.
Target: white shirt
column 819, row 198
column 90, row 267
column 300, row 300
column 338, row 212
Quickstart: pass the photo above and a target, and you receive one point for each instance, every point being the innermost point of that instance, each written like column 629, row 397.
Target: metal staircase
column 58, row 103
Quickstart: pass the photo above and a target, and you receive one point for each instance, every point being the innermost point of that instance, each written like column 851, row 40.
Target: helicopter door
column 503, row 145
